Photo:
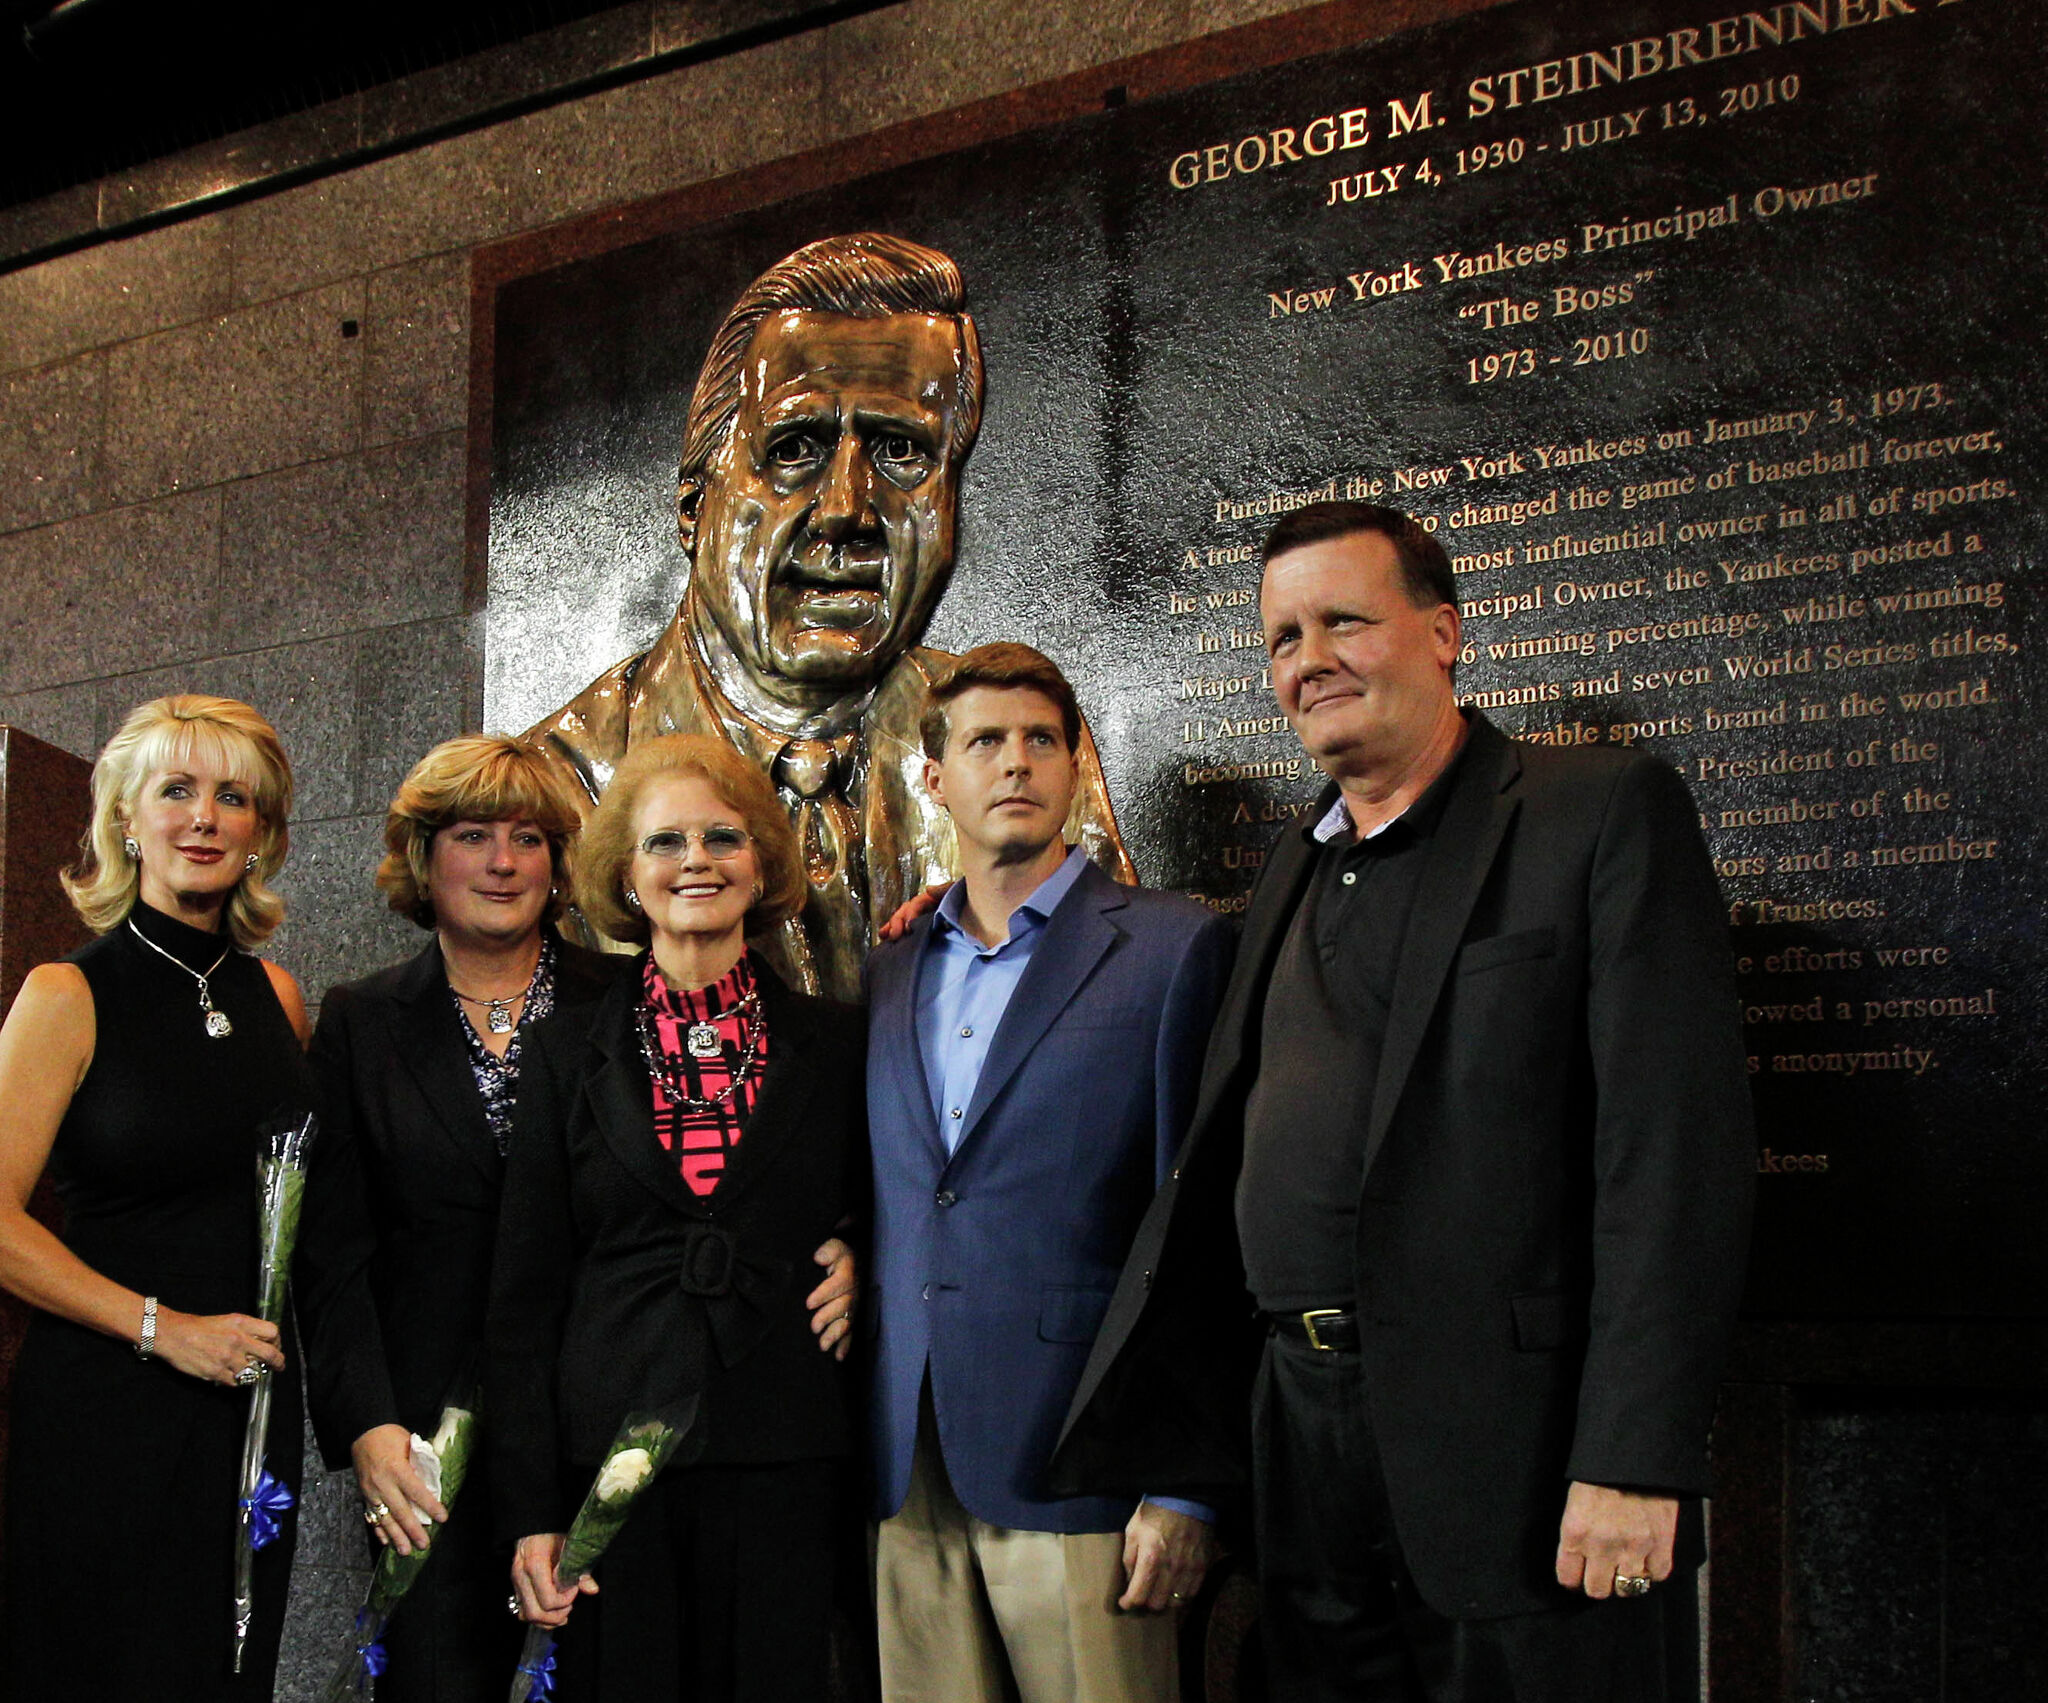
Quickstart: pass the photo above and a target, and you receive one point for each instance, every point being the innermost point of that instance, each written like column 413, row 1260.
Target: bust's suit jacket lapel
column 420, row 1031
column 1461, row 852
column 1077, row 934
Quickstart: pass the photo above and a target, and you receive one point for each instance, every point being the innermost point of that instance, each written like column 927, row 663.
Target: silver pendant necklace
column 217, row 1025
column 498, row 1012
column 663, row 1071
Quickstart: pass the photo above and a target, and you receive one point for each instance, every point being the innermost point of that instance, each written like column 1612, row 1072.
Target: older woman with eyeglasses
column 674, row 1171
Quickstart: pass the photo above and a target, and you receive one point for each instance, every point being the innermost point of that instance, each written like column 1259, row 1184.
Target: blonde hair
column 480, row 777
column 609, row 841
column 161, row 734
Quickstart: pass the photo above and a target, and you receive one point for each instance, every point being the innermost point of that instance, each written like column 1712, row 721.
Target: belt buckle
column 709, row 1257
column 1308, row 1323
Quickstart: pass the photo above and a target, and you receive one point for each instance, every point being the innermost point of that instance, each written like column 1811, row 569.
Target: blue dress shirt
column 966, row 987
column 962, row 992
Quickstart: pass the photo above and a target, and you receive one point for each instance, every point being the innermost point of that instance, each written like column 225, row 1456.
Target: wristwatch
column 147, row 1346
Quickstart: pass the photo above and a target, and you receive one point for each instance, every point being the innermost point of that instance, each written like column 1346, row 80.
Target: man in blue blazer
column 1035, row 1046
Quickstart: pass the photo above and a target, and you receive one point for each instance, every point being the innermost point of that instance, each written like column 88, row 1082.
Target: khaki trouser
column 975, row 1613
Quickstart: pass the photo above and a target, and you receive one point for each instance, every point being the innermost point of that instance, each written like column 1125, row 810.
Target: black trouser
column 719, row 1589
column 1342, row 1622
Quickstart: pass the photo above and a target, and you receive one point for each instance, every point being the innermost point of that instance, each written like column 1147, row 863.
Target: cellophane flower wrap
column 355, row 1677
column 638, row 1453
column 264, row 1500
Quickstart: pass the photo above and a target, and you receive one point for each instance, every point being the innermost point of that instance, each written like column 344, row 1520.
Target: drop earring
column 133, row 850
column 758, row 891
column 632, row 901
column 249, row 864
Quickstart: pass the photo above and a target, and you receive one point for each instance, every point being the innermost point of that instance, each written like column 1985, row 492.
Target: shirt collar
column 1421, row 816
column 721, row 998
column 1035, row 911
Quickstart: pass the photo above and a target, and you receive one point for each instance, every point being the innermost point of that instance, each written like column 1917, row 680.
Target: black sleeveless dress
column 122, row 1475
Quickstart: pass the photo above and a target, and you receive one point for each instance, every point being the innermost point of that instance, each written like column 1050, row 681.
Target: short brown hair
column 998, row 665
column 480, row 777
column 609, row 841
column 1425, row 570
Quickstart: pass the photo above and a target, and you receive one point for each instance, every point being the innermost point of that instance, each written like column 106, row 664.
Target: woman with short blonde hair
column 479, row 777
column 679, row 1172
column 421, row 1063
column 140, row 1071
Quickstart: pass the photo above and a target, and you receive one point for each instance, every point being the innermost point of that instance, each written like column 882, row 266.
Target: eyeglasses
column 672, row 845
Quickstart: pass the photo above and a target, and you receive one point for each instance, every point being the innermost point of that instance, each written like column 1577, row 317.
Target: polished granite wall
column 232, row 449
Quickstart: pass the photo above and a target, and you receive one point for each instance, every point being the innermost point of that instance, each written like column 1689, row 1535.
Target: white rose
column 451, row 1422
column 626, row 1471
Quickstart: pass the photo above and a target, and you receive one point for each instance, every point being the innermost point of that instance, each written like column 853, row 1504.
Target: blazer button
column 945, row 1197
column 1147, row 1282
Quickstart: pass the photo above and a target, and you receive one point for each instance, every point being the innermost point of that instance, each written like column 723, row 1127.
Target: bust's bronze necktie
column 812, row 775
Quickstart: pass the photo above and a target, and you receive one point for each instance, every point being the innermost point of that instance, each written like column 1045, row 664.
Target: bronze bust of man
column 818, row 495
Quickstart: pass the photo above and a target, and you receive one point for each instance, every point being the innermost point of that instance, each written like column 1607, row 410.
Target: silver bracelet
column 147, row 1346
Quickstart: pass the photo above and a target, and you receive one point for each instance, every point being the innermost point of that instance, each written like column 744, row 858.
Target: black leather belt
column 1330, row 1330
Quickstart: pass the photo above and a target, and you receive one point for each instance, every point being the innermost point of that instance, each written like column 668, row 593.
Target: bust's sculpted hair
column 480, row 777
column 866, row 275
column 609, row 840
column 164, row 734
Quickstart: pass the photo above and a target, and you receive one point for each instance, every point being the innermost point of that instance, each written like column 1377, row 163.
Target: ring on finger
column 1632, row 1584
column 376, row 1513
column 512, row 1605
column 248, row 1375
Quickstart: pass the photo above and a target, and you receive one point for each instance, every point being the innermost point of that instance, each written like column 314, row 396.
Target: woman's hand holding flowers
column 216, row 1346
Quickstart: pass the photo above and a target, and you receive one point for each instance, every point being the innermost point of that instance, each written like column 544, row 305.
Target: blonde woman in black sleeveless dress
column 138, row 1072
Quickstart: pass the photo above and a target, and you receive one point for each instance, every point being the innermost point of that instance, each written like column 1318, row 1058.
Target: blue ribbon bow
column 542, row 1673
column 370, row 1653
column 272, row 1498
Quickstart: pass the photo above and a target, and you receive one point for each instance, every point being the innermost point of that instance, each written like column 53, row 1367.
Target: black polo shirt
column 1321, row 1034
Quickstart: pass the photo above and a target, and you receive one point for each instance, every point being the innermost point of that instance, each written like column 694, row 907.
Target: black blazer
column 616, row 1290
column 401, row 1215
column 1559, row 1163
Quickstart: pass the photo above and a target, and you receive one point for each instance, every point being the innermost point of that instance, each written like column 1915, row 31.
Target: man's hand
column 1606, row 1531
column 1165, row 1555
column 911, row 909
column 831, row 1303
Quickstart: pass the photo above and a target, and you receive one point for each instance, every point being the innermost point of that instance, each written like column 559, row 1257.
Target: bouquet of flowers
column 281, row 1188
column 640, row 1450
column 442, row 1465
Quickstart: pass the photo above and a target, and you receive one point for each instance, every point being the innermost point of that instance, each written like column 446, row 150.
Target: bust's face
column 824, row 535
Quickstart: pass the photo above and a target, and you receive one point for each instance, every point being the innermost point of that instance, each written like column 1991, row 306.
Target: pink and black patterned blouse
column 700, row 1139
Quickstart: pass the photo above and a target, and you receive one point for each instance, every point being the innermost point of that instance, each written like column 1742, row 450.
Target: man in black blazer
column 1476, row 1112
